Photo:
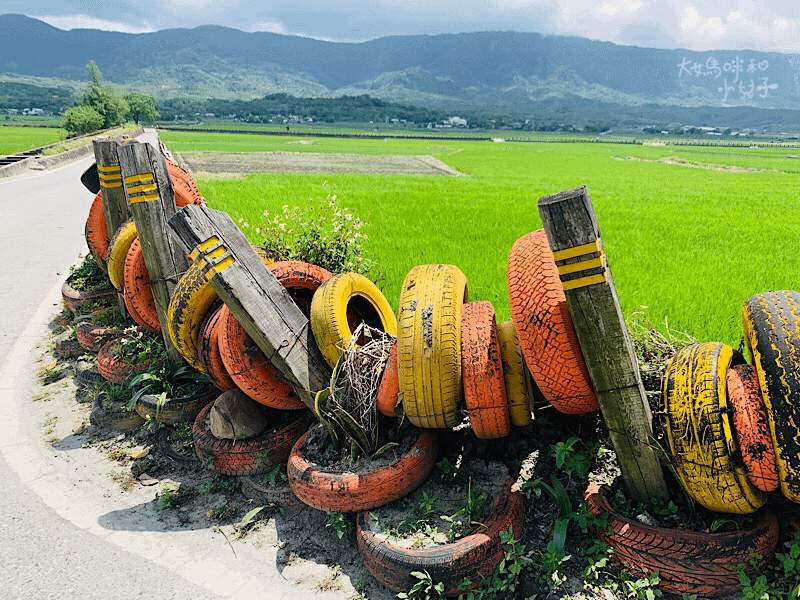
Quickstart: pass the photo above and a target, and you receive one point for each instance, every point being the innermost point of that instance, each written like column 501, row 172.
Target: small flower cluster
column 321, row 233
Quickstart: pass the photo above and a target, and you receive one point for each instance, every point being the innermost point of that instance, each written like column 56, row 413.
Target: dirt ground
column 223, row 164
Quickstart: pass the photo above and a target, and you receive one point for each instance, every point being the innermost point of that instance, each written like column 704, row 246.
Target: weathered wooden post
column 148, row 188
column 115, row 205
column 574, row 238
column 255, row 297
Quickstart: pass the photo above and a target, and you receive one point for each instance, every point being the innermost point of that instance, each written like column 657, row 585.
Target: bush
column 82, row 119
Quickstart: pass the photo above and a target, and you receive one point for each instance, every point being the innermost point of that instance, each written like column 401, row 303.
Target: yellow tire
column 119, row 246
column 700, row 433
column 340, row 305
column 772, row 333
column 191, row 300
column 429, row 344
column 519, row 385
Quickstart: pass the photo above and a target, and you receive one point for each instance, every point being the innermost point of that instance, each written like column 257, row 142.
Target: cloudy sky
column 768, row 25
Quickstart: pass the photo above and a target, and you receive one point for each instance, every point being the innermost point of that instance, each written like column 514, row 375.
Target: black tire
column 182, row 409
column 118, row 421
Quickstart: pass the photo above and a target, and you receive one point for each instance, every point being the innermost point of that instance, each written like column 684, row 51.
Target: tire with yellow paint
column 519, row 385
column 429, row 344
column 118, row 251
column 772, row 333
column 700, row 431
column 190, row 301
column 189, row 305
column 340, row 305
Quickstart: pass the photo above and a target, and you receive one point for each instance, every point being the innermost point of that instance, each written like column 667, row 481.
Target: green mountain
column 470, row 70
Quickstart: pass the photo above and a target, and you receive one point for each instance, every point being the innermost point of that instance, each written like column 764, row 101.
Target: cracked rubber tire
column 208, row 352
column 115, row 370
column 97, row 233
column 700, row 431
column 191, row 299
column 247, row 457
column 180, row 409
column 429, row 344
column 772, row 333
column 389, row 388
column 687, row 562
column 338, row 308
column 482, row 372
column 544, row 326
column 352, row 492
column 472, row 557
column 137, row 291
column 751, row 425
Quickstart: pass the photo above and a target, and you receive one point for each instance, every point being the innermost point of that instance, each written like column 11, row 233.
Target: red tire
column 353, row 492
column 473, row 556
column 137, row 291
column 751, row 426
column 91, row 336
column 115, row 370
column 544, row 326
column 687, row 562
column 247, row 457
column 208, row 352
column 482, row 372
column 386, row 399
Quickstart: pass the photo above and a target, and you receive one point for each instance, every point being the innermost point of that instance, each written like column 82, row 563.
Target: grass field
column 685, row 244
column 17, row 139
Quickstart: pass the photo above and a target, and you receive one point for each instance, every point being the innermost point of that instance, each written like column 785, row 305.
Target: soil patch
column 682, row 162
column 226, row 164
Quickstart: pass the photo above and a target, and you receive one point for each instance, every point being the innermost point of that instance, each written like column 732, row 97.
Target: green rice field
column 17, row 139
column 687, row 243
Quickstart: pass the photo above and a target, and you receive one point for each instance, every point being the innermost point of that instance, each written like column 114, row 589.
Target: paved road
column 66, row 534
column 42, row 555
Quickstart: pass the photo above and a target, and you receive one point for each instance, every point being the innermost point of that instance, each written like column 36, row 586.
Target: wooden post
column 148, row 188
column 115, row 205
column 574, row 238
column 255, row 297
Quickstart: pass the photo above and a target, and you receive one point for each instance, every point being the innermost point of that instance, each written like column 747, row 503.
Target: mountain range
column 483, row 69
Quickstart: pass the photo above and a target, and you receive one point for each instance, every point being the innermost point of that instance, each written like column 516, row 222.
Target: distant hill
column 485, row 69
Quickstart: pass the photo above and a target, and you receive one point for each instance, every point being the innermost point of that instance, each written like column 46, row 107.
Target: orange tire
column 208, row 352
column 544, row 326
column 114, row 370
column 97, row 232
column 387, row 397
column 350, row 492
column 244, row 361
column 687, row 562
column 265, row 494
column 474, row 556
column 137, row 291
column 248, row 457
column 482, row 372
column 184, row 194
column 179, row 174
column 751, row 426
column 249, row 367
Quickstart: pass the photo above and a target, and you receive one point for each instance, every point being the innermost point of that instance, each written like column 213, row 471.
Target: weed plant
column 88, row 276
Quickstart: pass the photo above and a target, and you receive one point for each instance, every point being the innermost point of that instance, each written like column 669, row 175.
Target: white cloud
column 269, row 26
column 68, row 22
column 193, row 4
column 622, row 8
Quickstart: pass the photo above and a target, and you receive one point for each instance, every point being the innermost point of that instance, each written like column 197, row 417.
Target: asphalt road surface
column 55, row 511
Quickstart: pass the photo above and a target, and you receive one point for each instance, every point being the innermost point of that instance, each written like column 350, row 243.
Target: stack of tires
column 733, row 427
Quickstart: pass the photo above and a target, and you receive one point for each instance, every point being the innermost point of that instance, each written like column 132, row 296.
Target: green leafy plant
column 138, row 346
column 340, row 524
column 424, row 588
column 115, row 398
column 421, row 519
column 502, row 583
column 573, row 460
column 167, row 380
column 88, row 276
column 471, row 514
column 276, row 476
column 322, row 233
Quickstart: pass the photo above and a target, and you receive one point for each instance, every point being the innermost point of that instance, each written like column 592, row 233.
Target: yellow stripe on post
column 110, row 170
column 592, row 263
column 144, row 178
column 577, row 251
column 210, row 242
column 144, row 198
column 138, row 189
column 574, row 284
column 219, row 267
